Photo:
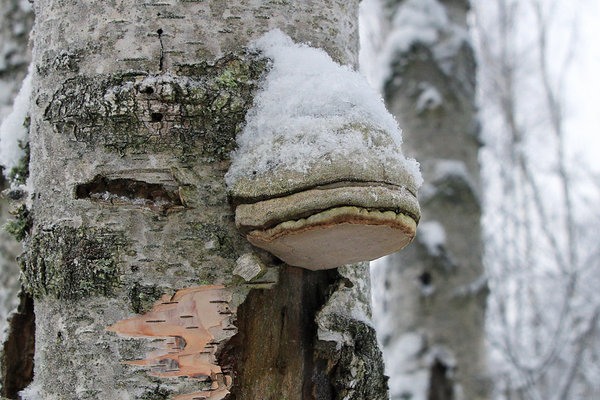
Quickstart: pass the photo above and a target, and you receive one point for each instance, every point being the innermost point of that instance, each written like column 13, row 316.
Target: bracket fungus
column 319, row 178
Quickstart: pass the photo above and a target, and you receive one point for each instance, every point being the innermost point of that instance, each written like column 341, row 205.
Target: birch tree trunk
column 433, row 295
column 136, row 106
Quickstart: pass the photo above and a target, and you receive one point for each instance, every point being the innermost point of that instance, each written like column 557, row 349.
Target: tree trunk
column 135, row 110
column 433, row 295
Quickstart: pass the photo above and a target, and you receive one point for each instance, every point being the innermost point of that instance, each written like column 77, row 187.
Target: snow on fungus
column 319, row 178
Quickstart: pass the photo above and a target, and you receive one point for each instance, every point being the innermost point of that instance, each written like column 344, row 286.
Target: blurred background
column 535, row 63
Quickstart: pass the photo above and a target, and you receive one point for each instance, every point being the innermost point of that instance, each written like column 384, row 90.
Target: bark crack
column 162, row 50
column 155, row 196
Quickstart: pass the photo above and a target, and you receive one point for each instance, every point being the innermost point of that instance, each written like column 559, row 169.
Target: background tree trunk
column 16, row 20
column 430, row 299
column 135, row 109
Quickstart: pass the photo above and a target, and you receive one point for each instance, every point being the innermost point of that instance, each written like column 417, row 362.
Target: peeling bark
column 192, row 323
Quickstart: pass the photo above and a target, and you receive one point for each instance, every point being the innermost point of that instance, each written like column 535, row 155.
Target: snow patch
column 418, row 21
column 31, row 392
column 433, row 236
column 445, row 169
column 346, row 302
column 370, row 27
column 12, row 131
column 429, row 99
column 473, row 288
column 311, row 109
column 410, row 373
column 425, row 22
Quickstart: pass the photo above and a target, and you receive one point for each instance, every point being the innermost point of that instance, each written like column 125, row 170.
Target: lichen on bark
column 20, row 225
column 201, row 107
column 143, row 297
column 71, row 263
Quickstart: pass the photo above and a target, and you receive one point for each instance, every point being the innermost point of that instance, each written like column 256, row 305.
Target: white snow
column 418, row 21
column 433, row 236
column 404, row 363
column 346, row 302
column 31, row 392
column 448, row 168
column 371, row 29
column 472, row 288
column 443, row 170
column 12, row 130
column 309, row 109
column 429, row 99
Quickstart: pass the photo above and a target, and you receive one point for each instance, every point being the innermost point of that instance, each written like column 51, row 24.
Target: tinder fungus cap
column 319, row 178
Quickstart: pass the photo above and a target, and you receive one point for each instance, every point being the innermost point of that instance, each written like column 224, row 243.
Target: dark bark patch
column 441, row 385
column 276, row 339
column 426, row 279
column 18, row 349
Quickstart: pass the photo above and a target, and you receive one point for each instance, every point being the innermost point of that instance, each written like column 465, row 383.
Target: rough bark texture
column 435, row 291
column 136, row 107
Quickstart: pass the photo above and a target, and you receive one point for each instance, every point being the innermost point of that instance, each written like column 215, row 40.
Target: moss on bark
column 20, row 226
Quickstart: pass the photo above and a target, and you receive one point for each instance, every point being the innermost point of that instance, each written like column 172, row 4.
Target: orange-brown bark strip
column 192, row 322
